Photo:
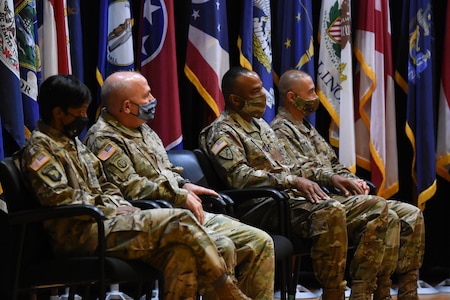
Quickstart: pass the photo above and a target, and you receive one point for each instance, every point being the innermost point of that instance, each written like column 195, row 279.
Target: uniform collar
column 111, row 120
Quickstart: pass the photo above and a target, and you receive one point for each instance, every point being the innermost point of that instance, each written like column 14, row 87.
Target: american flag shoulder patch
column 41, row 159
column 107, row 151
column 218, row 146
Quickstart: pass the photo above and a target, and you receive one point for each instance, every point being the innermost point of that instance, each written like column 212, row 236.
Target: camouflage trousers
column 248, row 249
column 367, row 227
column 323, row 224
column 171, row 240
column 411, row 237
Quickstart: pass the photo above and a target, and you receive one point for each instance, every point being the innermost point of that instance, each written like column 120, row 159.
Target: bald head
column 289, row 81
column 122, row 93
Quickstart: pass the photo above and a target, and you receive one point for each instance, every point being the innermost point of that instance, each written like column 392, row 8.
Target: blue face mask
column 146, row 111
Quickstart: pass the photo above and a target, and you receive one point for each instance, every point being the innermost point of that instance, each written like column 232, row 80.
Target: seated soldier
column 320, row 163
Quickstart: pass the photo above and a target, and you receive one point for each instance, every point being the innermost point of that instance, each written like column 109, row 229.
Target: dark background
column 195, row 113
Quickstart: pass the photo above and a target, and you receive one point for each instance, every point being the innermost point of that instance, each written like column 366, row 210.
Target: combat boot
column 360, row 290
column 333, row 294
column 407, row 286
column 383, row 290
column 229, row 291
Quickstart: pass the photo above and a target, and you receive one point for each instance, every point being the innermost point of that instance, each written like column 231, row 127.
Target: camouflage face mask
column 307, row 107
column 254, row 107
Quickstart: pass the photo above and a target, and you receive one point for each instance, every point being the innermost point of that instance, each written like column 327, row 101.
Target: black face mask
column 75, row 127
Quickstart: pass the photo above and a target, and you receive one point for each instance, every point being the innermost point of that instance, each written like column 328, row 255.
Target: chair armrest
column 145, row 204
column 214, row 204
column 281, row 198
column 64, row 211
column 163, row 203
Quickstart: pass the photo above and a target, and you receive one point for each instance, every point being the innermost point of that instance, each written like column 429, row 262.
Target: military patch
column 52, row 173
column 106, row 152
column 226, row 153
column 218, row 146
column 40, row 160
column 120, row 163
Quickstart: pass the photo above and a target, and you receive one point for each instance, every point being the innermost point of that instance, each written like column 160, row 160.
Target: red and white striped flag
column 375, row 128
column 54, row 39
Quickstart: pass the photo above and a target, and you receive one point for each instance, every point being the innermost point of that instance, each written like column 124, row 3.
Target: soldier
column 135, row 160
column 62, row 171
column 319, row 163
column 246, row 153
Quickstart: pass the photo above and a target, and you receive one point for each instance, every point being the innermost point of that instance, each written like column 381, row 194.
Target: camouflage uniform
column 306, row 143
column 137, row 163
column 249, row 155
column 63, row 171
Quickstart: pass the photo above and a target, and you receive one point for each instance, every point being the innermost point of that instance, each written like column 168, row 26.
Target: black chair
column 27, row 260
column 193, row 171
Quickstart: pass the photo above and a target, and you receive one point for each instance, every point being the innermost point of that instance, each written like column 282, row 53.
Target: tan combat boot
column 229, row 291
column 383, row 290
column 407, row 286
column 360, row 290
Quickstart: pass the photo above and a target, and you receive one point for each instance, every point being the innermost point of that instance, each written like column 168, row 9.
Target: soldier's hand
column 199, row 190
column 122, row 210
column 347, row 186
column 194, row 204
column 310, row 189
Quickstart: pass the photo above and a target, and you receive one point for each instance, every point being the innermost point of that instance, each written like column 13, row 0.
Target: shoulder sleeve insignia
column 41, row 159
column 226, row 153
column 218, row 146
column 52, row 173
column 107, row 151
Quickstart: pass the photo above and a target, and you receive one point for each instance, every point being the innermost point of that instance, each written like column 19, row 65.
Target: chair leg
column 295, row 276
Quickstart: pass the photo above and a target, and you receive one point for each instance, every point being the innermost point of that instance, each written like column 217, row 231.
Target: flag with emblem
column 158, row 63
column 293, row 41
column 443, row 131
column 54, row 38
column 255, row 47
column 334, row 76
column 414, row 75
column 207, row 57
column 11, row 108
column 115, row 50
column 375, row 125
column 29, row 60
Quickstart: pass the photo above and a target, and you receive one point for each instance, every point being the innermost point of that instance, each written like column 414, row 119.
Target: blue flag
column 11, row 109
column 76, row 38
column 420, row 117
column 255, row 47
column 115, row 49
column 293, row 45
column 30, row 69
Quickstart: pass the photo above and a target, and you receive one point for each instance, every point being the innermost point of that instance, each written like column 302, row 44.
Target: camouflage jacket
column 247, row 154
column 313, row 154
column 136, row 161
column 63, row 171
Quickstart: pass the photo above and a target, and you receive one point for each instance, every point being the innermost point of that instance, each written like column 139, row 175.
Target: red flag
column 159, row 65
column 375, row 128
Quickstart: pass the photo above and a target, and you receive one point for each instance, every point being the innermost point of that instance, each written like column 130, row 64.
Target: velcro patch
column 52, row 173
column 107, row 151
column 218, row 146
column 40, row 160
